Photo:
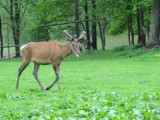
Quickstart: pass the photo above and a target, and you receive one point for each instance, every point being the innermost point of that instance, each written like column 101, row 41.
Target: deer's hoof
column 43, row 90
column 47, row 88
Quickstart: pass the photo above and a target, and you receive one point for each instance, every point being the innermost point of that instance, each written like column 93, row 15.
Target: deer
column 52, row 52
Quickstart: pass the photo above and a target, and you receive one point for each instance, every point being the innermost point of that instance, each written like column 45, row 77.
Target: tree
column 140, row 23
column 15, row 21
column 94, row 28
column 15, row 10
column 1, row 38
column 76, row 14
column 102, row 26
column 155, row 24
column 143, row 35
column 130, row 23
column 45, row 15
column 87, row 25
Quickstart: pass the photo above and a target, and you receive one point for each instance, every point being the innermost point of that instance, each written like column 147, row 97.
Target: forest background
column 22, row 21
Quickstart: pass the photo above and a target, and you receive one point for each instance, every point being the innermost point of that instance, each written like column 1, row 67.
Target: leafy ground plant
column 89, row 104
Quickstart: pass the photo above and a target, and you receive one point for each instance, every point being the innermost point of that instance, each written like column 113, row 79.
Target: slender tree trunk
column 76, row 14
column 131, row 27
column 138, row 23
column 17, row 26
column 12, row 18
column 1, row 38
column 94, row 36
column 102, row 27
column 103, row 38
column 130, row 24
column 143, row 35
column 15, row 21
column 129, row 41
column 87, row 26
column 94, row 28
column 154, row 26
column 159, row 30
column 47, row 34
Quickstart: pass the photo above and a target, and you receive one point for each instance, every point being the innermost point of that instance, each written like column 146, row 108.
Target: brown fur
column 46, row 52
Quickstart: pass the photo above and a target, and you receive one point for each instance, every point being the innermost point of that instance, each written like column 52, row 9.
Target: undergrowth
column 86, row 104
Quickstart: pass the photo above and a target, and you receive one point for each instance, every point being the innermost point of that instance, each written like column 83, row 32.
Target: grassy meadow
column 119, row 84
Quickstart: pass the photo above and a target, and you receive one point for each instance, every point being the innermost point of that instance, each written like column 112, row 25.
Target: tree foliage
column 35, row 13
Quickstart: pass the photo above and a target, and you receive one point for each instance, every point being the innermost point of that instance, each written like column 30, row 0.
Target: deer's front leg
column 56, row 70
column 35, row 74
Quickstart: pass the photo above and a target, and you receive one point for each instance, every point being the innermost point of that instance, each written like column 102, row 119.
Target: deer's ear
column 82, row 38
column 67, row 36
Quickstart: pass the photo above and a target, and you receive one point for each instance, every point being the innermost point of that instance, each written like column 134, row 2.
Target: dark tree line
column 142, row 29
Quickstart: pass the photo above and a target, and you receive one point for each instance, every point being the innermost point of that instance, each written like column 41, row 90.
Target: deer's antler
column 82, row 38
column 67, row 36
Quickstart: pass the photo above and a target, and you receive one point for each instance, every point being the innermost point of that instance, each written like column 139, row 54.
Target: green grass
column 98, row 85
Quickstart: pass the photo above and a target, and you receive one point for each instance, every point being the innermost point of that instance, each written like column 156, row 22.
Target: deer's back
column 41, row 52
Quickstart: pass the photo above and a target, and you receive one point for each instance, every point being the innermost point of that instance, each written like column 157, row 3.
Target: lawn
column 99, row 85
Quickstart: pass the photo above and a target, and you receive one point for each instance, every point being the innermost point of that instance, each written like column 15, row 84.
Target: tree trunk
column 87, row 26
column 76, row 14
column 17, row 26
column 94, row 28
column 47, row 36
column 154, row 26
column 15, row 21
column 131, row 27
column 102, row 27
column 130, row 23
column 143, row 34
column 138, row 23
column 159, row 28
column 1, row 38
column 129, row 31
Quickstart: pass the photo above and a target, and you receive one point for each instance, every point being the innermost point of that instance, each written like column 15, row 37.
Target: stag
column 53, row 52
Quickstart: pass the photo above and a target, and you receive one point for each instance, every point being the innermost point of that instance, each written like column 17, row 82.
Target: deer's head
column 75, row 42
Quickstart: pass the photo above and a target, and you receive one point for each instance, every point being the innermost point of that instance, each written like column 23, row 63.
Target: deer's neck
column 66, row 50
